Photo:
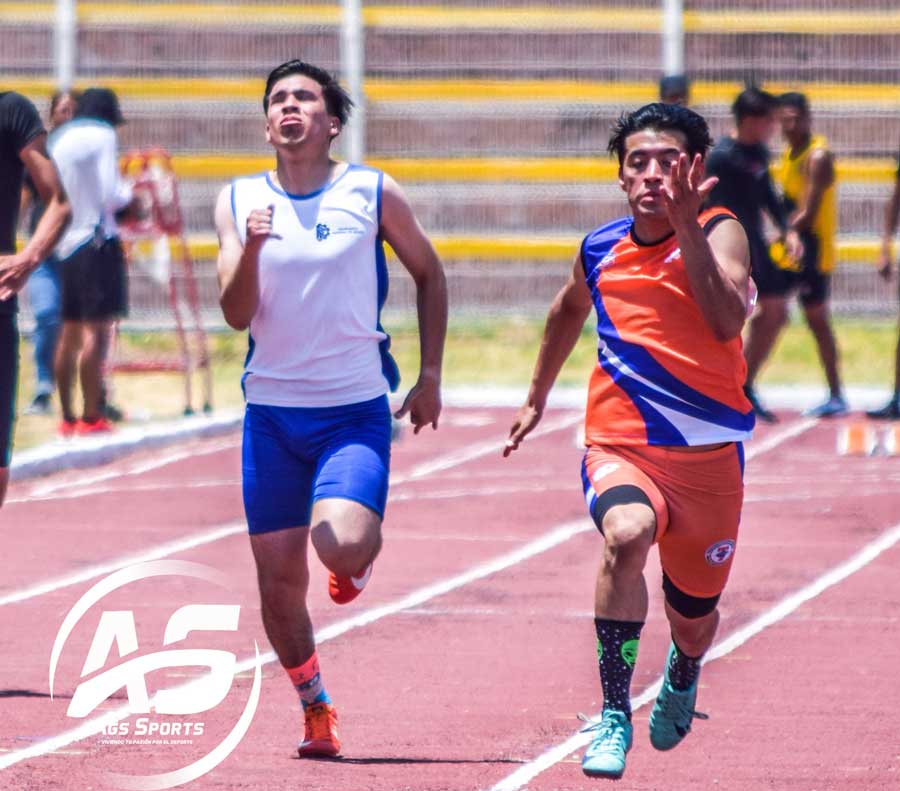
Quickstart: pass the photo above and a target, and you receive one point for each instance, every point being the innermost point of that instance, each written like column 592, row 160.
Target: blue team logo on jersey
column 322, row 232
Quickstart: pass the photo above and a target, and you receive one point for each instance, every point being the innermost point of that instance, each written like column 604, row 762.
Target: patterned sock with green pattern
column 617, row 647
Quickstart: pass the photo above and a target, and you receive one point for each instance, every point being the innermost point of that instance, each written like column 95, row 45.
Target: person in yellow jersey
column 806, row 175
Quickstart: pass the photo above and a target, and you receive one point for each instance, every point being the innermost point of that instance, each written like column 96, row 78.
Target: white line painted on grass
column 547, row 541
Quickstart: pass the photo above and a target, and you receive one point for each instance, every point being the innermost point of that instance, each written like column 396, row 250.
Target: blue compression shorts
column 293, row 456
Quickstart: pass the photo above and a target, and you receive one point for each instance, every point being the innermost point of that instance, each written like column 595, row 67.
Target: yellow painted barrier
column 384, row 91
column 443, row 18
column 488, row 169
column 535, row 248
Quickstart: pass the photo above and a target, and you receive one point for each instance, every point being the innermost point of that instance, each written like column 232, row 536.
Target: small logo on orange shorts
column 604, row 469
column 719, row 552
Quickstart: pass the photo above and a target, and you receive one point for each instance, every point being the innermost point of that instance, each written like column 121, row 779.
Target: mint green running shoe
column 673, row 712
column 605, row 756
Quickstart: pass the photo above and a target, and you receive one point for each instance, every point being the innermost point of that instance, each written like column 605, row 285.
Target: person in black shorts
column 741, row 163
column 806, row 175
column 891, row 410
column 92, row 264
column 22, row 149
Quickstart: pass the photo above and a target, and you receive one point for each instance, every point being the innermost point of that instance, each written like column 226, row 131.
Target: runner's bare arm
column 566, row 317
column 14, row 269
column 238, row 264
column 821, row 177
column 718, row 267
column 402, row 231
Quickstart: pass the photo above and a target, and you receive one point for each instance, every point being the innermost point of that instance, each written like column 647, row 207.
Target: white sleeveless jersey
column 316, row 338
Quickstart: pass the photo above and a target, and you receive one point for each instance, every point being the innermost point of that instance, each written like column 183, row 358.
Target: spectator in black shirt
column 43, row 289
column 22, row 148
column 741, row 163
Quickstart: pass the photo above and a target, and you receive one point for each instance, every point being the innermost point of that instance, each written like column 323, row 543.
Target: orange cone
column 857, row 439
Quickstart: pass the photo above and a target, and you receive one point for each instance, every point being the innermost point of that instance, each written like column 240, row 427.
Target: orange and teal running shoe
column 320, row 737
column 344, row 590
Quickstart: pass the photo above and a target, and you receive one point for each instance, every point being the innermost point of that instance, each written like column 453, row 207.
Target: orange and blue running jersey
column 662, row 377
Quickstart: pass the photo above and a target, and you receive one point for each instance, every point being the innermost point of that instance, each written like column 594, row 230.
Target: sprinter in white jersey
column 301, row 264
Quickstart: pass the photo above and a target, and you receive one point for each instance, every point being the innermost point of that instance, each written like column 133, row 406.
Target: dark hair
column 337, row 100
column 753, row 102
column 674, row 85
column 796, row 100
column 99, row 103
column 662, row 117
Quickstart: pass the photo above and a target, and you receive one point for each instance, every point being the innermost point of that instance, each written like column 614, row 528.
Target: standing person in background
column 891, row 410
column 675, row 89
column 92, row 263
column 740, row 161
column 22, row 149
column 301, row 265
column 43, row 289
column 807, row 179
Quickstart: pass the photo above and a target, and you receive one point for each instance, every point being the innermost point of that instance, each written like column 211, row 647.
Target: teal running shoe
column 673, row 712
column 605, row 756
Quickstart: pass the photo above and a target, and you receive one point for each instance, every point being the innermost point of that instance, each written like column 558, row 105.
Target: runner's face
column 758, row 129
column 64, row 110
column 646, row 169
column 794, row 125
column 297, row 114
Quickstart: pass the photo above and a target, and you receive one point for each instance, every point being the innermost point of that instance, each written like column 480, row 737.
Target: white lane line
column 134, row 469
column 553, row 538
column 788, row 432
column 479, row 449
column 526, row 773
column 890, row 537
column 153, row 553
column 423, row 470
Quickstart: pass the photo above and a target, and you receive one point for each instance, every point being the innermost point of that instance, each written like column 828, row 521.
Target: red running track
column 471, row 681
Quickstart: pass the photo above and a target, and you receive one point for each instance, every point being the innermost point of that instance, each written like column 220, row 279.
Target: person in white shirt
column 301, row 264
column 92, row 264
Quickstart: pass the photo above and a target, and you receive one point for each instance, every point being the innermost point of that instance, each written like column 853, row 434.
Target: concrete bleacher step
column 462, row 129
column 523, row 208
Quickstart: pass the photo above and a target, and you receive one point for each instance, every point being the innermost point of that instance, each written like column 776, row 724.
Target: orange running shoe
column 344, row 590
column 320, row 736
column 98, row 426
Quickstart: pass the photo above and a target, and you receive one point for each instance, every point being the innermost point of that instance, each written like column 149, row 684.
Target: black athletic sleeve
column 21, row 121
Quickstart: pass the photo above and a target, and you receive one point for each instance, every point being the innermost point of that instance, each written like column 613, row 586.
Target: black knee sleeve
column 685, row 604
column 626, row 494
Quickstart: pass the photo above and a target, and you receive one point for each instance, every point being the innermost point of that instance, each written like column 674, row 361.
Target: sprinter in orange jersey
column 666, row 412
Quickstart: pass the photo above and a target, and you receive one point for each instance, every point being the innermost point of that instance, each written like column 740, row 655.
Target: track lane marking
column 418, row 472
column 837, row 574
column 553, row 538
